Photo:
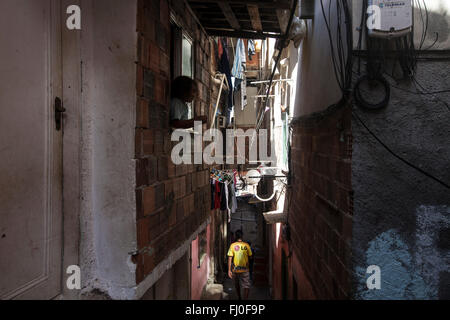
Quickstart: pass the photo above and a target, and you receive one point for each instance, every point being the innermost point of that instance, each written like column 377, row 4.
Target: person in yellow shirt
column 238, row 264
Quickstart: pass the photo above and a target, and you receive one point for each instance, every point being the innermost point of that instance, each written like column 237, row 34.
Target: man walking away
column 239, row 255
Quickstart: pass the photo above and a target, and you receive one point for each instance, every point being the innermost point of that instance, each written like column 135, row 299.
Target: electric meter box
column 395, row 18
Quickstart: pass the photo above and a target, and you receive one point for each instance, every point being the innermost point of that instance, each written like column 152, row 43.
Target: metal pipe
column 288, row 29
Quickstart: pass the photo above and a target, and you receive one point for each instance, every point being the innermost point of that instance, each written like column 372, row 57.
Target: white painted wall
column 317, row 88
column 108, row 206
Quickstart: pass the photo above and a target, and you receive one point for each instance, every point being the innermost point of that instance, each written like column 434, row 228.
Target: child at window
column 184, row 90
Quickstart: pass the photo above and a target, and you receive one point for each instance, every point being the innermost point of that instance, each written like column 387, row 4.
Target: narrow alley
column 174, row 149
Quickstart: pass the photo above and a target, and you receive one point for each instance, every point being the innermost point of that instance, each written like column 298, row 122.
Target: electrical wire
column 260, row 117
column 341, row 54
column 446, row 185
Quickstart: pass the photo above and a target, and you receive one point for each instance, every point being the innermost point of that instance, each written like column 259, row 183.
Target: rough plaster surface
column 401, row 216
column 108, row 215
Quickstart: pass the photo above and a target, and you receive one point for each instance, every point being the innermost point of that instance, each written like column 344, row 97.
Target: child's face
column 193, row 94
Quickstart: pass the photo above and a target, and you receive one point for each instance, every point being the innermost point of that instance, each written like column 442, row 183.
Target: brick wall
column 322, row 206
column 172, row 201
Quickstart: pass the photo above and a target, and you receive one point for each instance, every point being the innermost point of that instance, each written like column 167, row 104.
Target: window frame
column 178, row 35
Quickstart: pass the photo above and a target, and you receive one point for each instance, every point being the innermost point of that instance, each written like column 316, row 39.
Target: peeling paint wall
column 108, row 206
column 401, row 217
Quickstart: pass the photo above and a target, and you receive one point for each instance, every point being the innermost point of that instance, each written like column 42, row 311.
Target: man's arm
column 230, row 274
column 186, row 124
column 182, row 124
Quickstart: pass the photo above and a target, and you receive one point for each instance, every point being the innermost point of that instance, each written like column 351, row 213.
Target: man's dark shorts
column 243, row 278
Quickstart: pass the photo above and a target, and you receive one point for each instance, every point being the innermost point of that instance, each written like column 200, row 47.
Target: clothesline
column 222, row 175
column 223, row 191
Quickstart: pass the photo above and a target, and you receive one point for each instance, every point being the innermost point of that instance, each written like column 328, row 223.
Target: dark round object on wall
column 364, row 103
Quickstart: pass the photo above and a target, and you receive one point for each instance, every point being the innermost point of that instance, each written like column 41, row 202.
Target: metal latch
column 59, row 110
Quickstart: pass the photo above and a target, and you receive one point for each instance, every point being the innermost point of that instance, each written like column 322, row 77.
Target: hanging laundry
column 224, row 67
column 240, row 62
column 217, row 196
column 223, row 190
column 223, row 197
column 233, row 198
column 244, row 93
column 213, row 194
column 251, row 49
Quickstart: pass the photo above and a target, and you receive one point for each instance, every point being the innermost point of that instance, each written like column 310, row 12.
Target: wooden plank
column 229, row 14
column 282, row 20
column 276, row 4
column 253, row 11
column 241, row 34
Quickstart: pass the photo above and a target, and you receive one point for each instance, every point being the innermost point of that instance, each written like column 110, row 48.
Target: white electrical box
column 390, row 18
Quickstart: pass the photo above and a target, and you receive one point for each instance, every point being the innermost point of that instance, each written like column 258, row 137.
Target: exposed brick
column 162, row 37
column 181, row 170
column 158, row 117
column 180, row 210
column 179, row 187
column 160, row 90
column 139, row 204
column 153, row 57
column 142, row 232
column 140, row 272
column 189, row 204
column 164, row 217
column 171, row 168
column 142, row 114
column 154, row 227
column 164, row 196
column 163, row 173
column 152, row 167
column 164, row 64
column 148, row 142
column 141, row 172
column 168, row 190
column 148, row 25
column 159, row 196
column 139, row 80
column 172, row 212
column 149, row 84
column 149, row 263
column 164, row 13
column 158, row 136
column 319, row 221
column 148, row 200
column 188, row 183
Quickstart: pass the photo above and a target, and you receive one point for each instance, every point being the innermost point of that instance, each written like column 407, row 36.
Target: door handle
column 59, row 110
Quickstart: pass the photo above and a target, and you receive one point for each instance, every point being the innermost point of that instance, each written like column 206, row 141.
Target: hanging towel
column 240, row 61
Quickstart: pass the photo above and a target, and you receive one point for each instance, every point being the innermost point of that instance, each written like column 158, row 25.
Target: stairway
column 261, row 268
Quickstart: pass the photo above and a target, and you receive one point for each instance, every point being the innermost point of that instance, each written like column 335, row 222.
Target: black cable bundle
column 341, row 52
